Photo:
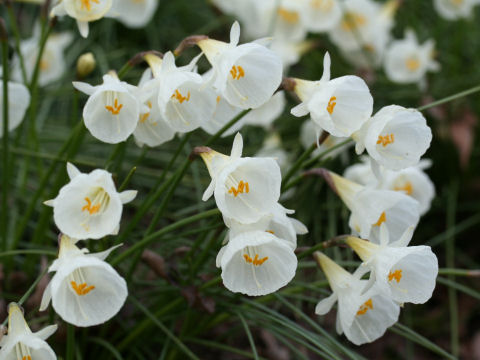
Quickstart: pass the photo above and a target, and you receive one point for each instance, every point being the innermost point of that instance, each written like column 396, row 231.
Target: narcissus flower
column 406, row 61
column 406, row 274
column 340, row 106
column 112, row 109
column 133, row 13
column 18, row 102
column 321, row 15
column 455, row 9
column 246, row 75
column 89, row 206
column 245, row 189
column 395, row 137
column 21, row 343
column 85, row 290
column 84, row 11
column 256, row 263
column 363, row 314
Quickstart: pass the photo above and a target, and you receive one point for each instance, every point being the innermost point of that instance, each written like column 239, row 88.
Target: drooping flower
column 454, row 9
column 133, row 13
column 321, row 15
column 340, row 106
column 405, row 273
column 18, row 102
column 246, row 75
column 85, row 290
column 112, row 109
column 289, row 23
column 245, row 189
column 364, row 313
column 89, row 206
column 395, row 137
column 21, row 343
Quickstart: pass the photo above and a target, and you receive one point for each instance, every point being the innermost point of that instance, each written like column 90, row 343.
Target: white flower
column 395, row 137
column 308, row 136
column 289, row 23
column 85, row 290
column 407, row 274
column 247, row 75
column 272, row 148
column 152, row 129
column 21, row 343
column 340, row 106
column 112, row 109
column 290, row 51
column 454, row 9
column 321, row 15
column 256, row 263
column 406, row 61
column 52, row 65
column 363, row 314
column 371, row 208
column 83, row 11
column 18, row 102
column 133, row 13
column 265, row 115
column 89, row 206
column 245, row 189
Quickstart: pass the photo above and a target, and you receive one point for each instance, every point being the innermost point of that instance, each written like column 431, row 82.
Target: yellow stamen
column 385, row 140
column 397, row 275
column 237, row 73
column 289, row 16
column 85, row 4
column 91, row 209
column 322, row 5
column 381, row 219
column 270, row 231
column 81, row 289
column 27, row 357
column 144, row 117
column 365, row 307
column 412, row 63
column 331, row 105
column 255, row 261
column 352, row 21
column 241, row 188
column 408, row 188
column 115, row 109
column 218, row 99
column 177, row 95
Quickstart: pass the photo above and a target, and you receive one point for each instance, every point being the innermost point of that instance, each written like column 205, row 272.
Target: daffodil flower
column 395, row 137
column 371, row 208
column 406, row 61
column 364, row 314
column 112, row 109
column 266, row 114
column 245, row 189
column 89, row 206
column 84, row 11
column 321, row 15
column 455, row 9
column 256, row 263
column 85, row 290
column 340, row 106
column 289, row 23
column 21, row 343
column 246, row 75
column 133, row 13
column 18, row 102
column 406, row 273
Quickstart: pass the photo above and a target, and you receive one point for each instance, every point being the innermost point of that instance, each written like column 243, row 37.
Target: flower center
column 237, row 73
column 385, row 140
column 177, row 95
column 397, row 275
column 381, row 219
column 365, row 307
column 255, row 261
column 115, row 109
column 331, row 105
column 290, row 17
column 27, row 357
column 100, row 201
column 322, row 5
column 86, row 4
column 144, row 117
column 408, row 188
column 241, row 188
column 82, row 289
column 352, row 21
column 412, row 63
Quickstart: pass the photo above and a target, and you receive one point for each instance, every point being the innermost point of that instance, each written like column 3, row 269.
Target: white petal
column 237, row 146
column 128, row 195
column 104, row 254
column 46, row 332
column 46, row 297
column 84, row 87
column 72, row 171
column 326, row 67
column 325, row 305
column 235, row 34
column 83, row 28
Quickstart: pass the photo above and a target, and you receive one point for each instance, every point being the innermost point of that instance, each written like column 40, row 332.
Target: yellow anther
column 237, row 73
column 397, row 275
column 322, row 5
column 27, row 357
column 291, row 17
column 270, row 231
column 408, row 188
column 352, row 21
column 85, row 4
column 385, row 140
column 381, row 219
column 412, row 63
column 365, row 307
column 91, row 209
column 218, row 99
column 115, row 109
column 331, row 105
column 255, row 261
column 177, row 95
column 144, row 117
column 242, row 187
column 81, row 289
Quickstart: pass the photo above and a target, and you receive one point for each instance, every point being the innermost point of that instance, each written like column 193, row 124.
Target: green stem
column 298, row 164
column 450, row 98
column 27, row 252
column 70, row 352
column 5, row 153
column 249, row 335
column 127, row 179
column 16, row 33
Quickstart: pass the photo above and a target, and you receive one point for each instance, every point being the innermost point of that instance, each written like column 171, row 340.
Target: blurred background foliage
column 178, row 307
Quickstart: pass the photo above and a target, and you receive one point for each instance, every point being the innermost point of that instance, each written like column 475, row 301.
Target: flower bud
column 85, row 65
